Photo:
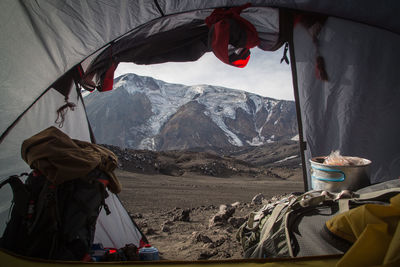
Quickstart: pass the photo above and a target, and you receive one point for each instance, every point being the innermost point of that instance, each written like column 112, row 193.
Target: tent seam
column 159, row 8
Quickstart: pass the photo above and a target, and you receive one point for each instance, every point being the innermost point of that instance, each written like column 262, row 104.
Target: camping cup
column 335, row 178
column 148, row 253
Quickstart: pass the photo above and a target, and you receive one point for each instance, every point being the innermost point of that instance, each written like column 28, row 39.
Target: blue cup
column 148, row 253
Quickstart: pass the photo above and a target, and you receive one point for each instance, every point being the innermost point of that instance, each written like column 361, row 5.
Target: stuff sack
column 295, row 226
column 54, row 221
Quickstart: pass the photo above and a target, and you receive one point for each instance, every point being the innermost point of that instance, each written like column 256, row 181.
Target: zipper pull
column 284, row 57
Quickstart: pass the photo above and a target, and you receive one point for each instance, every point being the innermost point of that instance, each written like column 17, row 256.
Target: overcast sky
column 263, row 75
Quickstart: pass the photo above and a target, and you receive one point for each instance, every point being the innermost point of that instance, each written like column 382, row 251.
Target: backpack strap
column 103, row 180
column 271, row 220
column 344, row 204
column 266, row 230
column 20, row 193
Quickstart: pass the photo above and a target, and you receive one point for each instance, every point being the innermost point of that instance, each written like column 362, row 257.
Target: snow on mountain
column 244, row 118
column 295, row 138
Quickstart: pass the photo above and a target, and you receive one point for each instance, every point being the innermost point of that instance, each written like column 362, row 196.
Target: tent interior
column 51, row 49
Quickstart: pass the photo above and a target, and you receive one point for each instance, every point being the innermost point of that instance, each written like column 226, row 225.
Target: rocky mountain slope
column 278, row 160
column 145, row 113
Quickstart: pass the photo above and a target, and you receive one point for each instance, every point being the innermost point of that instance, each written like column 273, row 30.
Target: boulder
column 165, row 228
column 216, row 220
column 221, row 218
column 236, row 204
column 257, row 199
column 217, row 243
column 198, row 237
column 183, row 216
column 226, row 211
column 150, row 231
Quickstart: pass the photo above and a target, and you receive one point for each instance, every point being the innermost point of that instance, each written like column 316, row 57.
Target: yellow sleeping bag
column 374, row 231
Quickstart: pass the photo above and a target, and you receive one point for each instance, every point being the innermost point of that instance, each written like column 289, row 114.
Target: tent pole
column 302, row 143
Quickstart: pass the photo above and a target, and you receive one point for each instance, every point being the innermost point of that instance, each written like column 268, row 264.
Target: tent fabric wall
column 117, row 229
column 178, row 38
column 356, row 111
column 43, row 39
column 46, row 38
column 365, row 11
column 39, row 117
column 49, row 38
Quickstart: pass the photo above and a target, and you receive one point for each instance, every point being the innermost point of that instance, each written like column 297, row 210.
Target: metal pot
column 335, row 178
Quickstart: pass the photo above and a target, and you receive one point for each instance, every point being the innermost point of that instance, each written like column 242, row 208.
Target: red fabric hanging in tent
column 231, row 36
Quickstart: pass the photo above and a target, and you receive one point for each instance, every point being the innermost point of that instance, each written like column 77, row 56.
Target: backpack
column 54, row 221
column 294, row 226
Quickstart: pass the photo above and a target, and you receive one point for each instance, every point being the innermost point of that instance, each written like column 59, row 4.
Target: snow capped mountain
column 145, row 113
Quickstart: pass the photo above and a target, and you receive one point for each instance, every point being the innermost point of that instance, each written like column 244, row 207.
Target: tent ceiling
column 55, row 35
column 44, row 39
column 179, row 38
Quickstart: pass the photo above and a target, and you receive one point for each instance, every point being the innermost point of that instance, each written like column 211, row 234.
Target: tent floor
column 10, row 260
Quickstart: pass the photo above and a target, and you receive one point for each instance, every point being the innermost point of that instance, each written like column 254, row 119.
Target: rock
column 274, row 198
column 141, row 224
column 229, row 230
column 168, row 222
column 222, row 208
column 236, row 222
column 217, row 243
column 205, row 255
column 221, row 218
column 136, row 216
column 165, row 228
column 198, row 237
column 226, row 255
column 216, row 220
column 257, row 199
column 210, row 207
column 236, row 204
column 184, row 216
column 226, row 211
column 150, row 231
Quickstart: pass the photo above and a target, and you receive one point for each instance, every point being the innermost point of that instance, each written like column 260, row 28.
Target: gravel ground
column 176, row 213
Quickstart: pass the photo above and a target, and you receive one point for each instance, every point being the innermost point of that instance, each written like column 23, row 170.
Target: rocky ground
column 194, row 217
column 190, row 204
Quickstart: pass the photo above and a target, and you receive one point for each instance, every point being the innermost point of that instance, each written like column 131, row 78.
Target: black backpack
column 54, row 221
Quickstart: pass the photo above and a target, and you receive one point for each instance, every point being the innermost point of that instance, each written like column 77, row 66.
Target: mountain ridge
column 145, row 113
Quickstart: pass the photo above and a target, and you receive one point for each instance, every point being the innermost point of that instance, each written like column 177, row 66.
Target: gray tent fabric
column 354, row 111
column 118, row 229
column 58, row 35
column 46, row 38
column 187, row 40
column 39, row 117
